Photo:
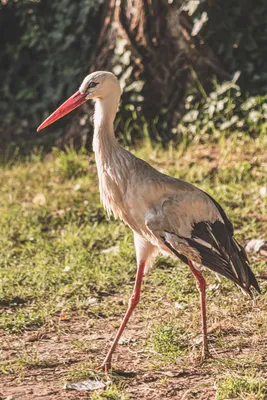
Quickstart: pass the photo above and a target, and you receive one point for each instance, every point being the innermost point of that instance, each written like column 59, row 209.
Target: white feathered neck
column 109, row 155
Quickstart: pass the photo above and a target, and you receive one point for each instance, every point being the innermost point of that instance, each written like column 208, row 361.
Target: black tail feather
column 220, row 252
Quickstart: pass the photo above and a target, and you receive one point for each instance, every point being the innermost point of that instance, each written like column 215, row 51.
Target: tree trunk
column 163, row 56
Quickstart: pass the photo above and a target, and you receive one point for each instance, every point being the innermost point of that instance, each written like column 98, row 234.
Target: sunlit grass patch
column 245, row 387
column 70, row 164
column 27, row 358
column 23, row 319
column 112, row 392
column 168, row 341
column 61, row 259
column 82, row 371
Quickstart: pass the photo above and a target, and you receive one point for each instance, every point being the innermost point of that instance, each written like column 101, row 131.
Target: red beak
column 73, row 102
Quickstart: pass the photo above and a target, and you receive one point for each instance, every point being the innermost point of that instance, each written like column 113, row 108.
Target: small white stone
column 179, row 306
column 263, row 191
column 254, row 245
column 39, row 199
column 67, row 268
column 113, row 249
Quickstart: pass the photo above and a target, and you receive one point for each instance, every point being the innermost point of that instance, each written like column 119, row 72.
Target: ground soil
column 142, row 380
column 47, row 382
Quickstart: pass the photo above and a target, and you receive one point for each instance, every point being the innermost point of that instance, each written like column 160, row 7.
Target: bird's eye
column 92, row 85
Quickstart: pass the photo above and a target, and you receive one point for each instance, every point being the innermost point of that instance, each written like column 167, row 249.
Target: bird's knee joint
column 134, row 300
column 201, row 285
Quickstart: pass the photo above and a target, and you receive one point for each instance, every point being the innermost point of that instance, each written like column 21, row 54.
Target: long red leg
column 201, row 286
column 134, row 300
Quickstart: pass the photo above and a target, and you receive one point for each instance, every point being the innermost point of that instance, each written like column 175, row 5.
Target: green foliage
column 237, row 32
column 22, row 320
column 168, row 341
column 46, row 48
column 240, row 47
column 70, row 163
column 111, row 393
column 247, row 387
column 224, row 110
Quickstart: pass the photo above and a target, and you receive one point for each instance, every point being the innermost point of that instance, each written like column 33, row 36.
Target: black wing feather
column 231, row 259
column 220, row 252
column 226, row 221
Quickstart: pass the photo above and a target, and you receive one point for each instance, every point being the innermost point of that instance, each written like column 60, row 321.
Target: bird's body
column 166, row 214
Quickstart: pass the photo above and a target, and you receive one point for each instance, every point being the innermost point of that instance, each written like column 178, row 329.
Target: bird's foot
column 105, row 366
column 201, row 358
column 205, row 355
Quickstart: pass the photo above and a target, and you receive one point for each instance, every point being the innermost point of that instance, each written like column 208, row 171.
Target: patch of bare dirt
column 57, row 353
column 50, row 355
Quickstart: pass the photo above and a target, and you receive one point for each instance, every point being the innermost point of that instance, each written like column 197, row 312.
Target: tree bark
column 163, row 56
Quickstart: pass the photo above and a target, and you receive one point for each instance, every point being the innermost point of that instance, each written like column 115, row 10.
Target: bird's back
column 175, row 215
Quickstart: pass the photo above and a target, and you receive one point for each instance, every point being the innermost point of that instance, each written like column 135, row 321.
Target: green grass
column 168, row 341
column 111, row 393
column 245, row 387
column 58, row 260
column 27, row 359
column 53, row 234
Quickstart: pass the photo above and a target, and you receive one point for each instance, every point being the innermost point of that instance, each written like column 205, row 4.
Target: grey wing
column 194, row 227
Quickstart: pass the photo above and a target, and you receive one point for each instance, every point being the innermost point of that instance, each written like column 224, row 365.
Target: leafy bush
column 237, row 32
column 224, row 110
column 46, row 48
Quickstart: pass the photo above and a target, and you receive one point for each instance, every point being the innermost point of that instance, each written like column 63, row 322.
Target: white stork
column 166, row 214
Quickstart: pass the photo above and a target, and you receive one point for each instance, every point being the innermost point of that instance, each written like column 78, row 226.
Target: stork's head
column 98, row 85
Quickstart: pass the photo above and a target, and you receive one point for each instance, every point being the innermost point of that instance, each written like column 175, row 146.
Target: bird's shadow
column 124, row 374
